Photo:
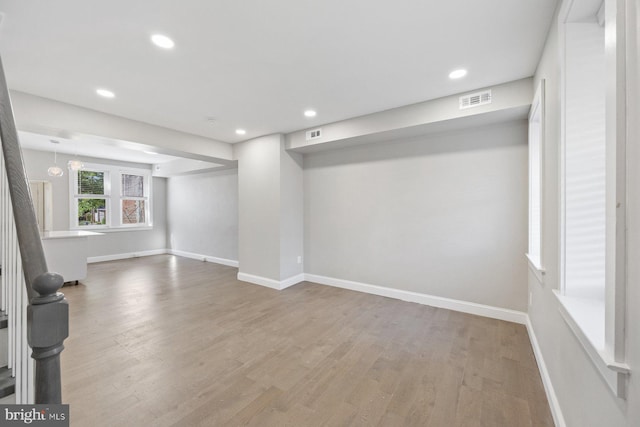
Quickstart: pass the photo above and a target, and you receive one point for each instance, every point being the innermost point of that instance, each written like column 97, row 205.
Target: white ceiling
column 258, row 64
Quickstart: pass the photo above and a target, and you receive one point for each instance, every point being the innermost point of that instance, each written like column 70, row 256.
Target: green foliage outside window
column 90, row 182
column 92, row 212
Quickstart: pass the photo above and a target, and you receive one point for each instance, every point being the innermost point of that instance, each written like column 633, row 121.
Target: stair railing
column 38, row 313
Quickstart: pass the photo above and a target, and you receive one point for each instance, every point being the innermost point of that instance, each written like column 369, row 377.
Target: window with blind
column 583, row 191
column 592, row 292
column 91, row 197
column 98, row 191
column 584, row 236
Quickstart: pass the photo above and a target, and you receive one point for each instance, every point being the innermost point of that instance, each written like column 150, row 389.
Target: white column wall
column 291, row 214
column 259, row 207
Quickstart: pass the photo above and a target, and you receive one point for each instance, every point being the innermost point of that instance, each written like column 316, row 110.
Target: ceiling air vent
column 475, row 99
column 314, row 134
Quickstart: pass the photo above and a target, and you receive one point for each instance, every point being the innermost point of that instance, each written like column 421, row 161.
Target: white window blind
column 132, row 185
column 90, row 182
column 584, row 164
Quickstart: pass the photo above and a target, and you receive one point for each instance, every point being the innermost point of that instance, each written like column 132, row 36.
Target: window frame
column 535, row 255
column 76, row 196
column 604, row 320
column 146, row 186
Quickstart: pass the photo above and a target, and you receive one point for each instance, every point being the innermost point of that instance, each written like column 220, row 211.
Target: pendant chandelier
column 75, row 164
column 55, row 170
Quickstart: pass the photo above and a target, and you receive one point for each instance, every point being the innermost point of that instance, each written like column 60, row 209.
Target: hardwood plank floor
column 170, row 341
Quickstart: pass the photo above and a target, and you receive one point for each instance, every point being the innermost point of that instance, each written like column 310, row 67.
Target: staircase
column 34, row 318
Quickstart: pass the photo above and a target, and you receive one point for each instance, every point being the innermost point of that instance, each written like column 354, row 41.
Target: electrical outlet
column 530, row 299
column 299, row 259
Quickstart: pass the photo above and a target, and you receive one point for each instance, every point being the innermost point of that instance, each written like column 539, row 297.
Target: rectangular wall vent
column 314, row 134
column 475, row 99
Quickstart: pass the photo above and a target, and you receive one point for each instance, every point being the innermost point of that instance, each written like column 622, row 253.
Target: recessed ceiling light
column 310, row 113
column 241, row 131
column 458, row 74
column 150, row 152
column 162, row 41
column 105, row 93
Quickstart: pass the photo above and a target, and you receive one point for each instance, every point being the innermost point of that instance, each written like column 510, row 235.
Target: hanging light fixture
column 75, row 164
column 55, row 170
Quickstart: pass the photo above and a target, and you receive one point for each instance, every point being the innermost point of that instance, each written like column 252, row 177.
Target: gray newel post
column 48, row 320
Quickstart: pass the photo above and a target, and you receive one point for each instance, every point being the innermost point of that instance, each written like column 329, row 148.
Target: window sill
column 536, row 269
column 586, row 318
column 114, row 229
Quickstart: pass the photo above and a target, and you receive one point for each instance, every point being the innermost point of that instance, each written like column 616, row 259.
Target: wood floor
column 169, row 341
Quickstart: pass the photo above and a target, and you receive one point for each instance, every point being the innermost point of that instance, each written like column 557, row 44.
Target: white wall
column 291, row 214
column 259, row 206
column 583, row 396
column 443, row 215
column 270, row 211
column 203, row 214
column 111, row 243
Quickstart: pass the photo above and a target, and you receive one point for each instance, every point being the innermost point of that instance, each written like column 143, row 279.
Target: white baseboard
column 293, row 280
column 207, row 258
column 556, row 411
column 271, row 283
column 115, row 257
column 434, row 301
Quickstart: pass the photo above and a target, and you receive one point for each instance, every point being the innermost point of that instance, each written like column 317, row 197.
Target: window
column 593, row 193
column 90, row 198
column 133, row 199
column 536, row 132
column 584, row 162
column 97, row 187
